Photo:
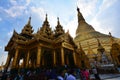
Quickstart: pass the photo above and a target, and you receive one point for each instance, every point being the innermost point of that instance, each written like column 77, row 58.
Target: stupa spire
column 80, row 17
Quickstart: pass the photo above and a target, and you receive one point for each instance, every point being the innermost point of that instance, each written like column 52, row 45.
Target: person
column 65, row 74
column 83, row 74
column 60, row 75
column 4, row 76
column 86, row 74
column 71, row 75
column 20, row 76
column 95, row 72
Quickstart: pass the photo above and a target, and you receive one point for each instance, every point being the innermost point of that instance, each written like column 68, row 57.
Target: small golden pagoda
column 84, row 60
column 115, row 51
column 46, row 48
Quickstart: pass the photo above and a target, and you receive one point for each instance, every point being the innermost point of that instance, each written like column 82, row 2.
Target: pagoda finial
column 46, row 17
column 58, row 22
column 29, row 21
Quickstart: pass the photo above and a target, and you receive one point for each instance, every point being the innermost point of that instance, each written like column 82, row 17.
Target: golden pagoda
column 86, row 33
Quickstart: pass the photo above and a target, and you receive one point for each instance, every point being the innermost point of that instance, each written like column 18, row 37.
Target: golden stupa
column 87, row 36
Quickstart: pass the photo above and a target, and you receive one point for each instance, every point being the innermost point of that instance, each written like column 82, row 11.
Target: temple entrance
column 69, row 58
column 48, row 58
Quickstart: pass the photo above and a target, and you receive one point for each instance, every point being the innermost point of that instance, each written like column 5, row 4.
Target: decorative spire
column 58, row 22
column 111, row 38
column 100, row 48
column 27, row 30
column 80, row 17
column 46, row 23
column 90, row 51
column 46, row 17
column 29, row 21
column 58, row 29
column 46, row 30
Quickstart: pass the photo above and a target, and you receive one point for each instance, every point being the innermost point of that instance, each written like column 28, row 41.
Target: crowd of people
column 52, row 74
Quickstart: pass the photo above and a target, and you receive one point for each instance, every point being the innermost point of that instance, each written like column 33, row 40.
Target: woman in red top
column 85, row 74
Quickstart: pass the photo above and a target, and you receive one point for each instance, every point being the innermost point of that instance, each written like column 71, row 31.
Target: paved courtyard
column 117, row 78
column 108, row 76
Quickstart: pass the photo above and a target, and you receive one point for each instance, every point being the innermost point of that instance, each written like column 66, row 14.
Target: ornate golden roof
column 44, row 34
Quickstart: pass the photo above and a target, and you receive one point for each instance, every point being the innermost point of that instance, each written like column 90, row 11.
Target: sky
column 103, row 15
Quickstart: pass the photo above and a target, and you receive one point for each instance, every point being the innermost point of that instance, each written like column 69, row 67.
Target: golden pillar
column 62, row 57
column 39, row 57
column 15, row 58
column 27, row 60
column 74, row 57
column 54, row 57
column 18, row 61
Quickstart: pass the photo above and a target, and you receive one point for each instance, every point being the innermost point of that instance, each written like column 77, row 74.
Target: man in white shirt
column 94, row 70
column 71, row 75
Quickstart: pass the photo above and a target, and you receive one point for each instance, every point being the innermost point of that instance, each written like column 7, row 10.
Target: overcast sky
column 103, row 15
